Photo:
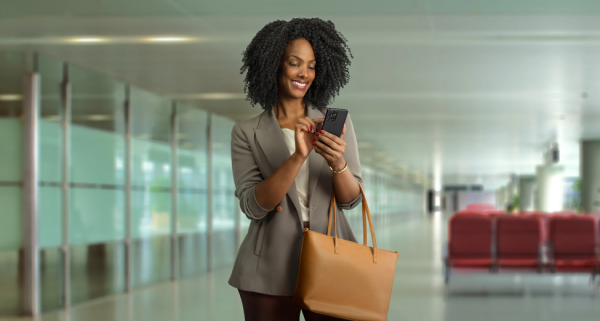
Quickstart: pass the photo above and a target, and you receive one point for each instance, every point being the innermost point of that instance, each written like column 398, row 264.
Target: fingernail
column 322, row 132
column 311, row 128
column 314, row 140
column 317, row 134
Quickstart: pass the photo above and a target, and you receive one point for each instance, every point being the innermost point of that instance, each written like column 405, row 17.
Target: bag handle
column 366, row 214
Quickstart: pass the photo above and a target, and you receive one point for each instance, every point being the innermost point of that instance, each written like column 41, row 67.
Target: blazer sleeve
column 351, row 156
column 246, row 175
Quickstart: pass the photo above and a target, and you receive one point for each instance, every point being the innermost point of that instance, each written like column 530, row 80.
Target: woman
column 285, row 168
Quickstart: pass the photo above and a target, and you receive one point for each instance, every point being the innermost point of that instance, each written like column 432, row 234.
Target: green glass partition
column 50, row 178
column 224, row 201
column 12, row 67
column 192, row 205
column 151, row 187
column 391, row 201
column 97, row 199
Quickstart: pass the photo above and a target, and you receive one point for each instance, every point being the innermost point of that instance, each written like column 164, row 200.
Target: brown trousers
column 264, row 307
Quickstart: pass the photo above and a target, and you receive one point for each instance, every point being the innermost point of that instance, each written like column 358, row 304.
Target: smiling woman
column 294, row 70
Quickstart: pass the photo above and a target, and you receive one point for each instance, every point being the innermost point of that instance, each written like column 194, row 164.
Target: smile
column 299, row 85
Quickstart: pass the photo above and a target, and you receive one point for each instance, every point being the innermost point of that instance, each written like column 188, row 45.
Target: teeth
column 299, row 84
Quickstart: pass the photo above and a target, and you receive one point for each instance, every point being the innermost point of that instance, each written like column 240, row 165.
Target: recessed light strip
column 207, row 96
column 142, row 39
column 10, row 97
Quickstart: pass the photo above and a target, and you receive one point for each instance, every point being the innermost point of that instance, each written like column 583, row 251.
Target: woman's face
column 297, row 69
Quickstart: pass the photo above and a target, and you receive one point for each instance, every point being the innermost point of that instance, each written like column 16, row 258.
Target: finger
column 325, row 149
column 319, row 122
column 305, row 121
column 301, row 128
column 311, row 122
column 323, row 153
column 331, row 137
column 326, row 141
column 343, row 132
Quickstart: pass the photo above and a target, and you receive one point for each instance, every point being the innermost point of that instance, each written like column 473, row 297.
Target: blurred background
column 115, row 171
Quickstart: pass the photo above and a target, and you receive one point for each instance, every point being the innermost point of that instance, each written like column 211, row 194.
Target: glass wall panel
column 151, row 187
column 192, row 205
column 11, row 82
column 50, row 177
column 224, row 201
column 391, row 201
column 97, row 202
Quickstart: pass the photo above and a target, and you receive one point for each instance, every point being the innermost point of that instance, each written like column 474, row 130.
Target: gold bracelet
column 338, row 172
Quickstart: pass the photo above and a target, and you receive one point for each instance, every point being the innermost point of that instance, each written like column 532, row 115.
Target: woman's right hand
column 305, row 128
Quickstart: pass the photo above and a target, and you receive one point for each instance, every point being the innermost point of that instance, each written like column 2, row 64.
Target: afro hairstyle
column 262, row 59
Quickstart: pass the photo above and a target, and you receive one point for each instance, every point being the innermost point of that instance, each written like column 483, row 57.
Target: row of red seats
column 484, row 238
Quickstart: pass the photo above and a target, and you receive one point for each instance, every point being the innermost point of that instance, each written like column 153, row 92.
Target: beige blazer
column 268, row 258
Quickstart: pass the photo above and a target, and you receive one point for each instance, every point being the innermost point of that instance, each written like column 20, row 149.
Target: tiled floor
column 419, row 292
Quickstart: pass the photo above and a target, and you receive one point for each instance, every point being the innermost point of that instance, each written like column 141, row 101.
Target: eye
column 293, row 64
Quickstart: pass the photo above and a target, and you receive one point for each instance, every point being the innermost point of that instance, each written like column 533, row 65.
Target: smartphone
column 334, row 121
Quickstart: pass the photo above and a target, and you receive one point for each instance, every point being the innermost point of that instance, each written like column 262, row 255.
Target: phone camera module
column 332, row 117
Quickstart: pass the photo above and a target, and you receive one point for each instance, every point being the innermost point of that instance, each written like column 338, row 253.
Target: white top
column 302, row 177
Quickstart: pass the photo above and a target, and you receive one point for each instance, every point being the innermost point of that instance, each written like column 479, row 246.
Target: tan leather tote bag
column 344, row 279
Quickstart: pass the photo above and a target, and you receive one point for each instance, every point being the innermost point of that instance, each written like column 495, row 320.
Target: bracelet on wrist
column 340, row 171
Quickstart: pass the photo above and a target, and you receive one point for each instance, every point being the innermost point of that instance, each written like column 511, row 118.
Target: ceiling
column 477, row 89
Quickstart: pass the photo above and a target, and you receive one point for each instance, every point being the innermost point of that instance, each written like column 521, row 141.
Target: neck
column 289, row 109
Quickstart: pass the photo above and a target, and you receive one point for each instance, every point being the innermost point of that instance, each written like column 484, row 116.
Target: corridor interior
column 419, row 292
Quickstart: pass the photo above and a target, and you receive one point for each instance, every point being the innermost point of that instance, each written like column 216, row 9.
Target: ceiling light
column 167, row 39
column 208, row 96
column 142, row 136
column 51, row 118
column 10, row 97
column 189, row 145
column 99, row 117
column 87, row 40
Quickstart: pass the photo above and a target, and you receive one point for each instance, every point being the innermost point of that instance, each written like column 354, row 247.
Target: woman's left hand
column 331, row 147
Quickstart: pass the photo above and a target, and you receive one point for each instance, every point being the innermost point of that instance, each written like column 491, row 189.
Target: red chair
column 469, row 242
column 471, row 212
column 481, row 207
column 496, row 213
column 573, row 243
column 519, row 242
column 543, row 217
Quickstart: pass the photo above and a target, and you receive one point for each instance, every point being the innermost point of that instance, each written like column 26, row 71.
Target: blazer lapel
column 270, row 138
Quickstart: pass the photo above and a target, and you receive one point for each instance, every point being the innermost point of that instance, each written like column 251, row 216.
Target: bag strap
column 366, row 215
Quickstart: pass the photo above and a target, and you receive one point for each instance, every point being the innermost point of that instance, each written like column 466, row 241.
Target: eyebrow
column 300, row 58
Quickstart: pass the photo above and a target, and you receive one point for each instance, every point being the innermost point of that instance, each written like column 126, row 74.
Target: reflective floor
column 419, row 292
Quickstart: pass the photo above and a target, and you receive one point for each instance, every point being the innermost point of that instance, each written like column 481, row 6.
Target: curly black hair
column 263, row 56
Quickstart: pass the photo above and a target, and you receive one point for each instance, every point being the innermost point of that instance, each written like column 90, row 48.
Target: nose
column 302, row 73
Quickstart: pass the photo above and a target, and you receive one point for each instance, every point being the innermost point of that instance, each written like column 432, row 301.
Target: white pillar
column 590, row 176
column 501, row 198
column 550, row 188
column 526, row 188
